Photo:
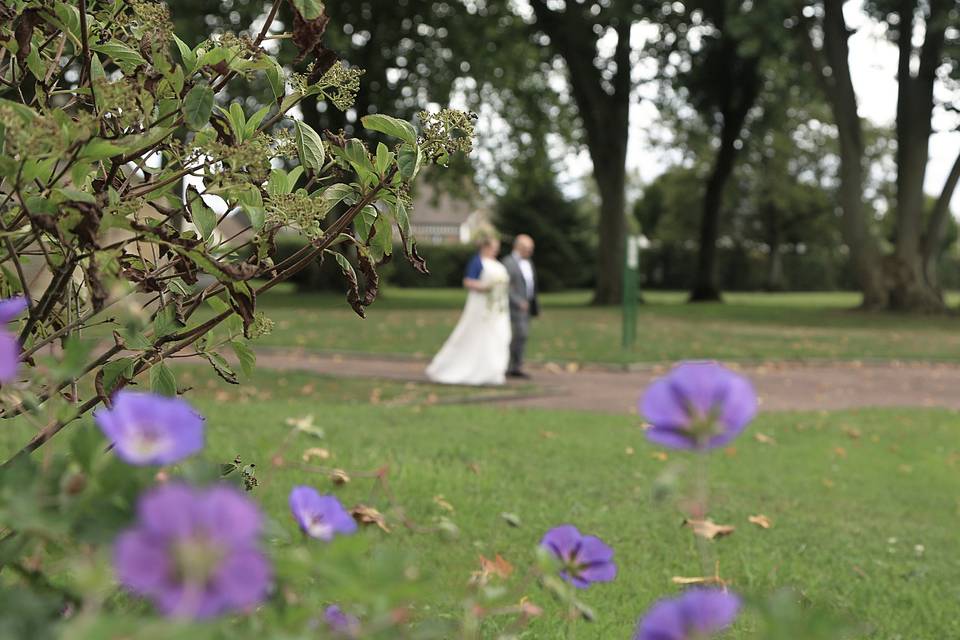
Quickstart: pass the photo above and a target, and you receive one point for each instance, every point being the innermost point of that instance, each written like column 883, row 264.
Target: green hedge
column 445, row 262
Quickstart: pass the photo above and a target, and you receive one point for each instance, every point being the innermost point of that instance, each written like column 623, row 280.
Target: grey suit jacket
column 518, row 288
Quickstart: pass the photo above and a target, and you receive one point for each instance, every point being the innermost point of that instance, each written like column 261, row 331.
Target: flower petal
column 562, row 540
column 662, row 407
column 243, row 579
column 9, row 356
column 663, row 621
column 674, row 438
column 709, row 610
column 11, row 308
column 142, row 562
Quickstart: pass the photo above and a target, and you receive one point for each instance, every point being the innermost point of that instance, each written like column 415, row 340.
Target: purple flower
column 697, row 614
column 320, row 516
column 698, row 405
column 9, row 345
column 194, row 552
column 586, row 559
column 341, row 623
column 149, row 429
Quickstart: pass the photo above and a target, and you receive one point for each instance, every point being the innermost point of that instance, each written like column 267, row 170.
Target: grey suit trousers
column 520, row 327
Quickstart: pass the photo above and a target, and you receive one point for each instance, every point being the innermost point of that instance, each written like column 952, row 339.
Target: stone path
column 783, row 386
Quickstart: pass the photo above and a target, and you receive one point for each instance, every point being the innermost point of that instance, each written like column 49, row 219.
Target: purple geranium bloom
column 698, row 405
column 341, row 623
column 194, row 552
column 150, row 429
column 697, row 614
column 320, row 516
column 586, row 559
column 9, row 345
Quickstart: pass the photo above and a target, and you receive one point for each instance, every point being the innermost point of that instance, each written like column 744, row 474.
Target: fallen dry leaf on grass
column 315, row 452
column 498, row 567
column 629, row 451
column 852, row 432
column 368, row 515
column 761, row 521
column 339, row 477
column 548, row 435
column 573, row 367
column 763, row 438
column 441, row 502
column 840, row 452
column 376, row 395
column 708, row 528
column 730, row 452
column 698, row 580
column 660, row 455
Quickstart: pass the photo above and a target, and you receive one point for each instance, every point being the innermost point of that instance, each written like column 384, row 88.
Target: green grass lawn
column 801, row 326
column 851, row 495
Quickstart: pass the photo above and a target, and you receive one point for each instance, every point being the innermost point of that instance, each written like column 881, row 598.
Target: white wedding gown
column 478, row 350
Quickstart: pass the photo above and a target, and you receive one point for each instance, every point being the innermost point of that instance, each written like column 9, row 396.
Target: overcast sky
column 873, row 62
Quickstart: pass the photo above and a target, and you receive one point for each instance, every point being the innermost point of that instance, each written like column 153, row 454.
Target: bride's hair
column 484, row 234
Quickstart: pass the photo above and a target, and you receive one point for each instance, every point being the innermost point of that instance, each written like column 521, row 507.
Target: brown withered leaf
column 763, row 438
column 698, row 580
column 662, row 456
column 498, row 567
column 339, row 477
column 708, row 529
column 308, row 36
column 852, row 432
column 441, row 502
column 369, row 516
column 761, row 521
column 315, row 452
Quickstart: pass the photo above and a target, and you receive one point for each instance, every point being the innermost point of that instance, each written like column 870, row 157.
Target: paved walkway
column 781, row 386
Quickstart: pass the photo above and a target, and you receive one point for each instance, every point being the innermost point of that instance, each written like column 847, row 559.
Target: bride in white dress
column 478, row 350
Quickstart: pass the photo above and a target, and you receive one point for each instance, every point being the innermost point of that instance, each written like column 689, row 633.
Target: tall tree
column 924, row 31
column 601, row 89
column 720, row 58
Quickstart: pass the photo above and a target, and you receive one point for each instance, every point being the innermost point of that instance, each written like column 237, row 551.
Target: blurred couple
column 487, row 345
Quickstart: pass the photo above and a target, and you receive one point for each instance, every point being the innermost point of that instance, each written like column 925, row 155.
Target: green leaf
column 96, row 68
column 391, row 127
column 381, row 244
column 70, row 194
column 124, row 56
column 277, row 183
column 197, row 106
column 409, row 161
column 70, row 17
column 217, row 305
column 309, row 145
column 35, row 64
column 100, row 149
column 162, row 380
column 254, row 121
column 309, row 9
column 222, row 368
column 276, row 78
column 187, row 55
column 166, row 322
column 337, row 193
column 365, row 221
column 384, row 158
column 246, row 357
column 204, row 218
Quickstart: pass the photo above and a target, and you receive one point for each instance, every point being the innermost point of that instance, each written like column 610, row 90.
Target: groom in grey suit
column 523, row 300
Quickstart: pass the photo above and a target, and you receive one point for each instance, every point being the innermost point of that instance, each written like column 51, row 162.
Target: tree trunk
column 910, row 287
column 864, row 251
column 611, row 181
column 936, row 226
column 604, row 108
column 741, row 93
